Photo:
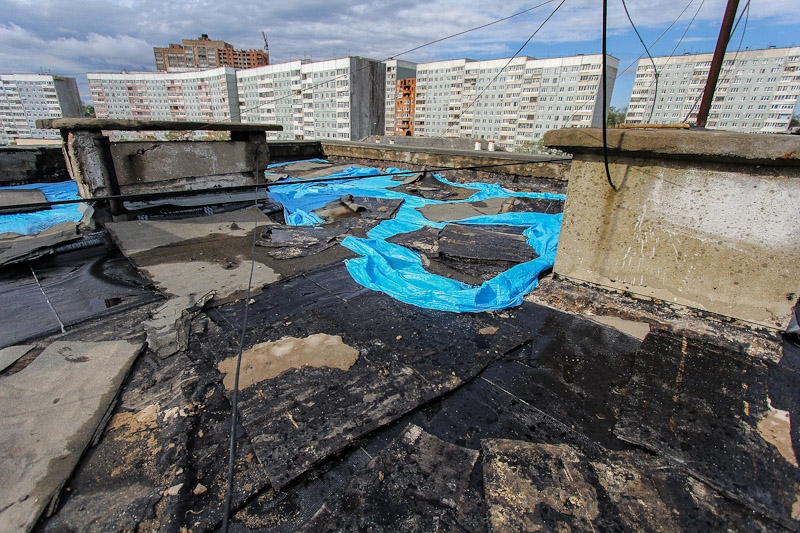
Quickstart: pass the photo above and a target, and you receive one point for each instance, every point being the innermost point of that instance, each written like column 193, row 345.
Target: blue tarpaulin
column 396, row 270
column 38, row 221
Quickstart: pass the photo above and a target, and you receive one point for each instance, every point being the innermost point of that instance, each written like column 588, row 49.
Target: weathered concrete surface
column 10, row 354
column 49, row 413
column 98, row 124
column 19, row 165
column 717, row 236
column 151, row 166
column 418, row 479
column 703, row 146
column 168, row 328
column 10, row 200
column 198, row 255
column 514, row 166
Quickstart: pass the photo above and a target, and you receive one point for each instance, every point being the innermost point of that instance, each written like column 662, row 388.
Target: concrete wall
column 367, row 96
column 520, row 171
column 710, row 220
column 150, row 166
column 20, row 165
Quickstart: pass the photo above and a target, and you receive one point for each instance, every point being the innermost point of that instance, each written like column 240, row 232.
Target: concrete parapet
column 704, row 219
column 519, row 170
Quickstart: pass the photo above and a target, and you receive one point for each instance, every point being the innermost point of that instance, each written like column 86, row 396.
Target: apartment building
column 335, row 99
column 272, row 95
column 205, row 53
column 757, row 91
column 199, row 96
column 511, row 101
column 24, row 98
column 400, row 96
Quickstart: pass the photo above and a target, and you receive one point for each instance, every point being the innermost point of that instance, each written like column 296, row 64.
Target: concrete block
column 713, row 235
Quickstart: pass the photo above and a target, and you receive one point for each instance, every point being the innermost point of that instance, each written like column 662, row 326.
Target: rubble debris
column 426, row 185
column 304, row 415
column 418, row 479
column 71, row 387
column 554, row 487
column 268, row 360
column 461, row 210
column 524, row 204
column 343, row 217
column 168, row 329
column 468, row 253
column 699, row 406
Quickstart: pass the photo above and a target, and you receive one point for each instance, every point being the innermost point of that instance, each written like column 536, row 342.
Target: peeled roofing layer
column 38, row 221
column 398, row 271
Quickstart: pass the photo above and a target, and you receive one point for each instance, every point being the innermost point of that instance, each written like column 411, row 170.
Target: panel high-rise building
column 335, row 99
column 757, row 91
column 199, row 96
column 511, row 101
column 205, row 53
column 24, row 98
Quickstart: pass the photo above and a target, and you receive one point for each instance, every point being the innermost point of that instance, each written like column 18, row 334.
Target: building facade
column 195, row 96
column 24, row 98
column 513, row 102
column 757, row 91
column 336, row 99
column 399, row 95
column 205, row 53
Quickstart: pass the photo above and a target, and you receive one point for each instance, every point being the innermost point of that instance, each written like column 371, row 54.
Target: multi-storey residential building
column 272, row 95
column 757, row 90
column 513, row 102
column 400, row 92
column 200, row 96
column 27, row 97
column 205, row 53
column 335, row 99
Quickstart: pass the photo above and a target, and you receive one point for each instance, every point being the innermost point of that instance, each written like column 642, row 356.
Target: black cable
column 343, row 76
column 625, row 6
column 235, row 394
column 604, row 103
column 469, row 106
column 193, row 192
column 663, row 33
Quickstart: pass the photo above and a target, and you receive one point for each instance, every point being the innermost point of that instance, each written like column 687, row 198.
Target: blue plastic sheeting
column 396, row 270
column 38, row 221
column 314, row 160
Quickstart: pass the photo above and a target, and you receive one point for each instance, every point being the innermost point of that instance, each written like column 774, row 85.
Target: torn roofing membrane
column 398, row 271
column 38, row 221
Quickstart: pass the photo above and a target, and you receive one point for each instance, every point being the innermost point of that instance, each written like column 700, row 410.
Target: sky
column 71, row 38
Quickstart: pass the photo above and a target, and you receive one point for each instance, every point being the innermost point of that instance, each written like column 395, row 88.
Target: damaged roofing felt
column 360, row 411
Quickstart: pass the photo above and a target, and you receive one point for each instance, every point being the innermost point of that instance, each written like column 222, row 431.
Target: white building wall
column 199, row 96
column 24, row 98
column 272, row 95
column 757, row 91
column 513, row 102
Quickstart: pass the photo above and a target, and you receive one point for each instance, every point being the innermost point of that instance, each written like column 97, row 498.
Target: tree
column 615, row 116
column 88, row 111
column 795, row 122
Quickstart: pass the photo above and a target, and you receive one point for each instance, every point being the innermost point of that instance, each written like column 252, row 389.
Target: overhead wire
column 604, row 103
column 414, row 49
column 235, row 393
column 746, row 14
column 646, row 49
column 486, row 87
